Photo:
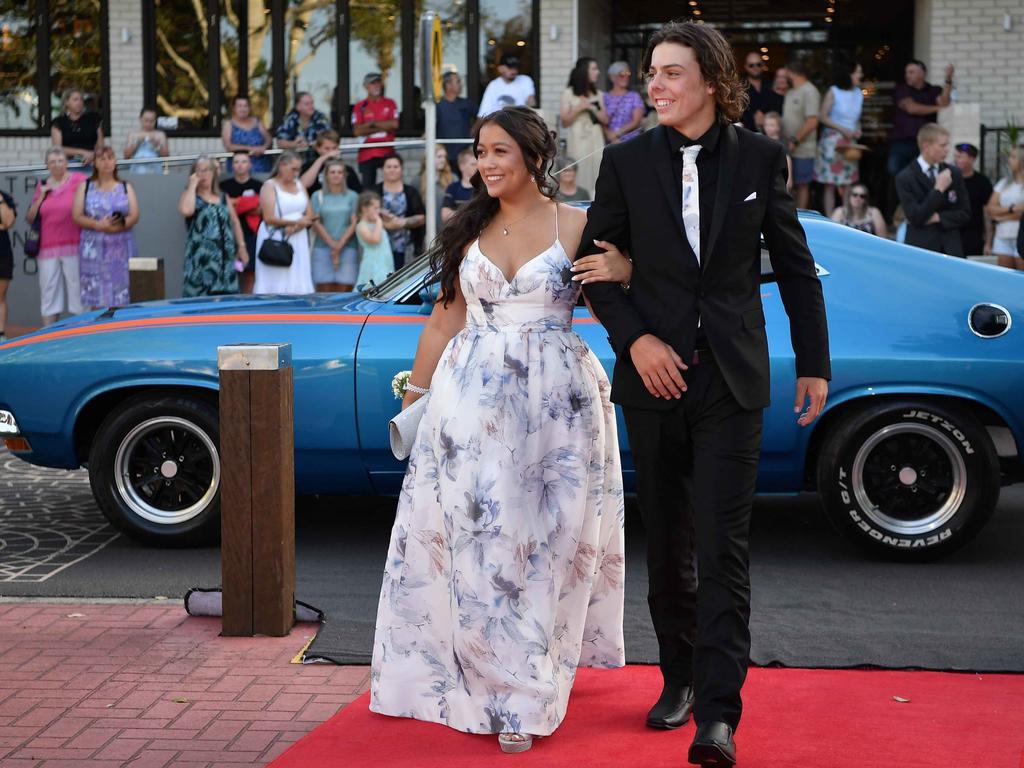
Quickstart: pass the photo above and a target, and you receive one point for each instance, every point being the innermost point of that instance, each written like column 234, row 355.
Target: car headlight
column 8, row 426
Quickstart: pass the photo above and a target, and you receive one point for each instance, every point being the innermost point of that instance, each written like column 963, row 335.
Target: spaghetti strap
column 556, row 222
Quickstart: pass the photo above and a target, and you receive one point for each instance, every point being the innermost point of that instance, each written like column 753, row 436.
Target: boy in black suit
column 689, row 199
column 933, row 195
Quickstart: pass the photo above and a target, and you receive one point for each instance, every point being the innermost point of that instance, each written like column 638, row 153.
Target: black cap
column 970, row 149
column 509, row 60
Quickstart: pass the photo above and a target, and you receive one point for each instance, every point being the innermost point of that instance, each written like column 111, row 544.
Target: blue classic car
column 924, row 423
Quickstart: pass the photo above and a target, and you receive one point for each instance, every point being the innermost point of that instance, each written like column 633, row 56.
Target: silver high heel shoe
column 515, row 742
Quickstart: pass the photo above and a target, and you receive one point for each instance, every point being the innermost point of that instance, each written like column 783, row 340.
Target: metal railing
column 176, row 160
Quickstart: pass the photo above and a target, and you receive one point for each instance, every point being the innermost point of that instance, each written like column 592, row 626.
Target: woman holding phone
column 106, row 209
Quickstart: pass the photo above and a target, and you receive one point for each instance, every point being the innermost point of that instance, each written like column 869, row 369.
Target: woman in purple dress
column 625, row 107
column 106, row 209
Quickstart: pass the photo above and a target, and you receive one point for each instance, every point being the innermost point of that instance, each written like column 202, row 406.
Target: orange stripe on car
column 236, row 319
column 196, row 320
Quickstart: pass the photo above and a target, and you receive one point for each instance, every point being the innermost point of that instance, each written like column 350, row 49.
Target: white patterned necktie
column 691, row 198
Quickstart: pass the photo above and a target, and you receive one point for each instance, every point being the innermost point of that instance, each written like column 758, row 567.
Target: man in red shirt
column 376, row 118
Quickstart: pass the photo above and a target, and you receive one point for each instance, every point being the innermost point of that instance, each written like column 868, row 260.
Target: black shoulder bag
column 276, row 253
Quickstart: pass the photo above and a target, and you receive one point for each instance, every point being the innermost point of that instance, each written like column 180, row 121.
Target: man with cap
column 508, row 89
column 977, row 233
column 376, row 119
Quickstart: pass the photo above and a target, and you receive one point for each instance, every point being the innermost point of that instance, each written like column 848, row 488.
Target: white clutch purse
column 402, row 429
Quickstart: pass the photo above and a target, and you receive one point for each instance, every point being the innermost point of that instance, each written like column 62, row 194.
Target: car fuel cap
column 989, row 320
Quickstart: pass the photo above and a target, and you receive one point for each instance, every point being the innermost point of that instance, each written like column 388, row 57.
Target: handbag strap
column 277, row 209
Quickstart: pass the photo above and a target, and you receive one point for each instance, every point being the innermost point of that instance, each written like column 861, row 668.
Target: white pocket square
column 751, row 196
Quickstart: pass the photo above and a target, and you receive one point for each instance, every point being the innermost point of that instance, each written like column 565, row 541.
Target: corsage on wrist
column 400, row 384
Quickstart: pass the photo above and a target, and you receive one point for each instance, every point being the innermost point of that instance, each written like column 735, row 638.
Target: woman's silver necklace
column 507, row 228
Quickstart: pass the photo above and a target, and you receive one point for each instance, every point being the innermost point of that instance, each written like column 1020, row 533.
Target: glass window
column 182, row 78
column 453, row 38
column 261, row 76
column 76, row 52
column 252, row 78
column 505, row 27
column 19, row 94
column 375, row 45
column 311, row 53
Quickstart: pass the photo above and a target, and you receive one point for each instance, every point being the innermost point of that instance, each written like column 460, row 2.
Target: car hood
column 268, row 306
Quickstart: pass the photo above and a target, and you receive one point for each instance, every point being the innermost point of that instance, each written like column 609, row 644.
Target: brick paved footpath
column 147, row 686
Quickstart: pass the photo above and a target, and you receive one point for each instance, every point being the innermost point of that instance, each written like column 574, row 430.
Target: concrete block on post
column 257, row 489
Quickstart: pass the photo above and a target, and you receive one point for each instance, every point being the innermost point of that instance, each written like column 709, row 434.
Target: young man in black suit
column 692, row 369
column 933, row 195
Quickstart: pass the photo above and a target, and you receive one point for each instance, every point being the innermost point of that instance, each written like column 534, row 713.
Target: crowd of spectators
column 346, row 228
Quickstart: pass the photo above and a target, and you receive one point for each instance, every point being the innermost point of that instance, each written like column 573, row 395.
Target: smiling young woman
column 515, row 399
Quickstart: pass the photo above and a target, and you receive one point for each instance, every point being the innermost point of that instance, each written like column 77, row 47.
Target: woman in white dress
column 286, row 213
column 505, row 569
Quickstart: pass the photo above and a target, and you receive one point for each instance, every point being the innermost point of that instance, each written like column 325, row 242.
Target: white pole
column 430, row 113
column 430, row 108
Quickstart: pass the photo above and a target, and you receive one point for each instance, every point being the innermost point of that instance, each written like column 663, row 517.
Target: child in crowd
column 772, row 128
column 243, row 193
column 461, row 190
column 377, row 260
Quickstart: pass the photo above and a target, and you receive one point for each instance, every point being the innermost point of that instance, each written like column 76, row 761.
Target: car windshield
column 397, row 279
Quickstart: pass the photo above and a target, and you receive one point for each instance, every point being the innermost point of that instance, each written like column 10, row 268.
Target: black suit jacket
column 920, row 199
column 637, row 207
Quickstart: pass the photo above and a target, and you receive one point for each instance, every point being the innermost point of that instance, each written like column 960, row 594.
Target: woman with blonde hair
column 59, row 237
column 444, row 178
column 335, row 255
column 287, row 215
column 1005, row 206
column 214, row 234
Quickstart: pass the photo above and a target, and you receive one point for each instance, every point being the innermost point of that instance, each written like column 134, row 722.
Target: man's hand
column 817, row 391
column 658, row 366
column 949, row 71
column 944, row 179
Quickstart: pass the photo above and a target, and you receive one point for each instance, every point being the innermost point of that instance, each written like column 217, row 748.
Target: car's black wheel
column 909, row 480
column 154, row 467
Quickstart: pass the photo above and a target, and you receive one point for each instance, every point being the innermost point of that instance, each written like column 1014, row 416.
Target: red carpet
column 794, row 717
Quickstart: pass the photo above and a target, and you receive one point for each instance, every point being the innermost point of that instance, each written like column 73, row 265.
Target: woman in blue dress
column 243, row 132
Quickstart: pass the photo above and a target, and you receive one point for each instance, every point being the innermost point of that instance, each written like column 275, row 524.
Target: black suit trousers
column 696, row 468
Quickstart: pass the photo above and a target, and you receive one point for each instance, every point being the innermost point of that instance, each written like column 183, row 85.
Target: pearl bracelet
column 410, row 387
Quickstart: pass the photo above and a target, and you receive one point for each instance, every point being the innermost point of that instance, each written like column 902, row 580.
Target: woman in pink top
column 59, row 235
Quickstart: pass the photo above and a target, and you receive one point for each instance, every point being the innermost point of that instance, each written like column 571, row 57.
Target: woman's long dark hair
column 531, row 134
column 579, row 78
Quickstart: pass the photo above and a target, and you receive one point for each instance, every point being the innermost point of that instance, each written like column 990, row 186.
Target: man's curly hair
column 716, row 61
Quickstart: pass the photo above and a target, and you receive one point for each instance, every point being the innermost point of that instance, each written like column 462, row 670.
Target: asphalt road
column 817, row 601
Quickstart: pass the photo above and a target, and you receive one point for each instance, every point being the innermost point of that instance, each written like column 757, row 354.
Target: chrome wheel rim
column 167, row 470
column 909, row 479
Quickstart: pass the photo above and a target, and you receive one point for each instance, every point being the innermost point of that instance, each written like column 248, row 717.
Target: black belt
column 702, row 355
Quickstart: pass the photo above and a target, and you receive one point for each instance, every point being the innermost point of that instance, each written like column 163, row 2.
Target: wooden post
column 145, row 278
column 257, row 497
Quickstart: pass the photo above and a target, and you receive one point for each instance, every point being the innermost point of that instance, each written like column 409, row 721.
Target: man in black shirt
column 977, row 233
column 243, row 193
column 762, row 98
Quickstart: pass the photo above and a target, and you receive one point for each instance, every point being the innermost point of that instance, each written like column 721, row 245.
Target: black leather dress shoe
column 713, row 746
column 673, row 708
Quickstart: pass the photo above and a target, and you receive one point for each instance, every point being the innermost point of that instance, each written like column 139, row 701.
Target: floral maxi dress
column 505, row 568
column 103, row 256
